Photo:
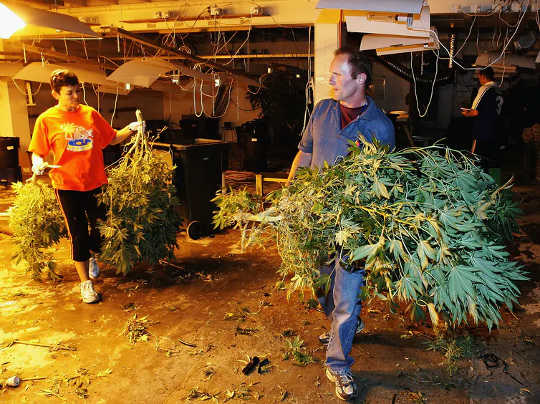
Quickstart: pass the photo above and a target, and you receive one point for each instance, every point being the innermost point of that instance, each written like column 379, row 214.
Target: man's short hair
column 63, row 77
column 487, row 73
column 358, row 61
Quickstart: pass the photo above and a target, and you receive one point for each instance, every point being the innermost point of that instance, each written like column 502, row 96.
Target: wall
column 14, row 117
column 389, row 89
column 178, row 102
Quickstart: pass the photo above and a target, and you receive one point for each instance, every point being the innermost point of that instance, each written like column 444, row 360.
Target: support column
column 326, row 42
column 14, row 117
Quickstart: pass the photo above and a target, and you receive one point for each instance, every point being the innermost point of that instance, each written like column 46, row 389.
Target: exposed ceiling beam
column 57, row 55
column 195, row 59
column 251, row 56
column 74, row 3
column 186, row 19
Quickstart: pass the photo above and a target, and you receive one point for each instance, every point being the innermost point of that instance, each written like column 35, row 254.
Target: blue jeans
column 342, row 305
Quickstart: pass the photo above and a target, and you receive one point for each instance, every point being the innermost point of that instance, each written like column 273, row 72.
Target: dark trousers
column 488, row 152
column 81, row 209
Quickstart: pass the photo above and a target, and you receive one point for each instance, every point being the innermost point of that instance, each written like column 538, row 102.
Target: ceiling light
column 392, row 6
column 11, row 22
column 44, row 18
column 387, row 24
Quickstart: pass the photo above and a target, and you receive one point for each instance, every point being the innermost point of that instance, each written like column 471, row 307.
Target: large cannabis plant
column 142, row 219
column 37, row 225
column 427, row 224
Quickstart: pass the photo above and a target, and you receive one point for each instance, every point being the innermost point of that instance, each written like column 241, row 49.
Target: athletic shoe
column 93, row 268
column 325, row 338
column 88, row 293
column 346, row 388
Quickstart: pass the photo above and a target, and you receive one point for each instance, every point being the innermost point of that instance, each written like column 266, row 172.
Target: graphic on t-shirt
column 79, row 139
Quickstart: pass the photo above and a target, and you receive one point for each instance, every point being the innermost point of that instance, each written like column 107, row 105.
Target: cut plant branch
column 427, row 224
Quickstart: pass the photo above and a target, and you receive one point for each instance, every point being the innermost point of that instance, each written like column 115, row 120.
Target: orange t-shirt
column 76, row 140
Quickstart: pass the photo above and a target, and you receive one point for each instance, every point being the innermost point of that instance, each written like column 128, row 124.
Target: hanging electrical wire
column 464, row 42
column 114, row 108
column 420, row 114
column 495, row 60
column 309, row 86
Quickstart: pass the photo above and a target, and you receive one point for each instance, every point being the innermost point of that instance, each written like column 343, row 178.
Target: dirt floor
column 216, row 308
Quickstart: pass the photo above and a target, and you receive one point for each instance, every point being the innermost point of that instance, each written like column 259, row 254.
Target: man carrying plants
column 334, row 124
column 76, row 135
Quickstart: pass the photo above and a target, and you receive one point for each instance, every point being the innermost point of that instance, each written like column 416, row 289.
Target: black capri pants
column 81, row 209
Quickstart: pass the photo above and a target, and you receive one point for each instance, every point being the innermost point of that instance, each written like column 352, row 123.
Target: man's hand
column 38, row 164
column 468, row 112
column 134, row 126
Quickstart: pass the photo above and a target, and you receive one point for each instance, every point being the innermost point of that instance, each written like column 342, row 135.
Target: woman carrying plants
column 76, row 135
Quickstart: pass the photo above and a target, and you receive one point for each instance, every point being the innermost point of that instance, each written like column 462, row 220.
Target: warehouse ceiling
column 232, row 42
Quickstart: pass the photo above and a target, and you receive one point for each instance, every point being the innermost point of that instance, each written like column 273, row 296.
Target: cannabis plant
column 37, row 225
column 142, row 219
column 427, row 224
column 141, row 224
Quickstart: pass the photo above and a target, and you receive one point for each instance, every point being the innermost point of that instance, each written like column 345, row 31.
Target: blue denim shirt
column 325, row 141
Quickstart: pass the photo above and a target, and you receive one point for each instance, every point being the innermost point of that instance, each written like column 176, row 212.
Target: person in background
column 76, row 135
column 332, row 125
column 485, row 110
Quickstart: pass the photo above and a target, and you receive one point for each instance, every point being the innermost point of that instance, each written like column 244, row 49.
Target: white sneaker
column 93, row 268
column 346, row 388
column 88, row 294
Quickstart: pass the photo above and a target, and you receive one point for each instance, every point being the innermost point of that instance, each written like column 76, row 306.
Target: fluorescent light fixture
column 406, row 48
column 9, row 69
column 11, row 22
column 406, row 45
column 142, row 72
column 484, row 59
column 44, row 18
column 374, row 41
column 389, row 24
column 41, row 72
column 391, row 6
column 113, row 89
